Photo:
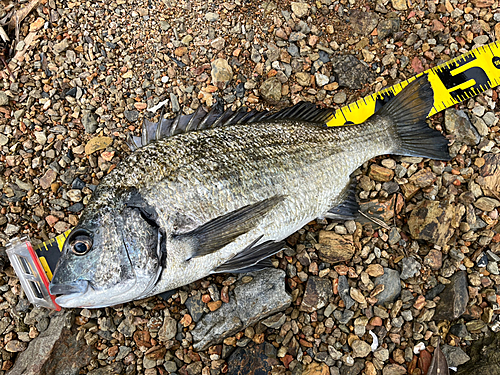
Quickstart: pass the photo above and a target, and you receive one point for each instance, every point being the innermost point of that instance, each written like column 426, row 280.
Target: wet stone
column 318, row 292
column 392, row 286
column 222, row 73
column 454, row 298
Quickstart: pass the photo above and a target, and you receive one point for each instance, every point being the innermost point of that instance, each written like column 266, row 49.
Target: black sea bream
column 221, row 195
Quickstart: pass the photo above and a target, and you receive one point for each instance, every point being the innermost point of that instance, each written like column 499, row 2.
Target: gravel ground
column 363, row 297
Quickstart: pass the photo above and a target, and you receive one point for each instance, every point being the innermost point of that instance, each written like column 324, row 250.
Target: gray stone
column 480, row 125
column 132, row 116
column 175, row 103
column 410, row 267
column 387, row 27
column 454, row 298
column 455, row 356
column 127, row 327
column 270, row 90
column 168, row 330
column 392, row 286
column 4, row 99
column 321, row 79
column 89, row 122
column 263, row 296
column 351, row 72
column 458, row 124
column 54, row 351
column 344, row 292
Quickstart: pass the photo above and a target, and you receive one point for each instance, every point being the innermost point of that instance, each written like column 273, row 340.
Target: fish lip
column 75, row 287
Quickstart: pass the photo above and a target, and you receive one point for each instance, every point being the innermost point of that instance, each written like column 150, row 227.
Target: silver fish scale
column 202, row 175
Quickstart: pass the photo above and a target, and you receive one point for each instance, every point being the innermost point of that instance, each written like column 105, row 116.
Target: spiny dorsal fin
column 216, row 117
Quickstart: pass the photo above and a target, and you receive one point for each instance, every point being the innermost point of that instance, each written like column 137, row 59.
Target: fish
column 218, row 192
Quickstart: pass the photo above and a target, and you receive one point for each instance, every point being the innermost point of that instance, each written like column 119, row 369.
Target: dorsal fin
column 216, row 117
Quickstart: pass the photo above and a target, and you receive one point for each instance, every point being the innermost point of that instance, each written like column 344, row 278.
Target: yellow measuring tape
column 453, row 82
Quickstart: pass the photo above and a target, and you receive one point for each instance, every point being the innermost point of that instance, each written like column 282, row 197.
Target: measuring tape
column 453, row 82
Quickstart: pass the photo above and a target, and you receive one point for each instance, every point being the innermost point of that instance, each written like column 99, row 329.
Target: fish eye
column 81, row 244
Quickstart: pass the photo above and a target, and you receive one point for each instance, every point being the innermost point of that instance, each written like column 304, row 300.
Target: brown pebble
column 214, row 305
column 186, row 320
column 375, row 270
column 54, row 187
column 379, row 173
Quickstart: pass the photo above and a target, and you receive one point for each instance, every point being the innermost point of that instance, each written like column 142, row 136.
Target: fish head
column 113, row 256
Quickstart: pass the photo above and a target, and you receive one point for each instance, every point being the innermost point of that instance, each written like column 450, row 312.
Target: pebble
column 300, row 9
column 222, row 73
column 4, row 99
column 212, row 16
column 340, row 97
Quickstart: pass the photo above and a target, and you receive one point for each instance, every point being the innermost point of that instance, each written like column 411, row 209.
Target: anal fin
column 252, row 258
column 348, row 209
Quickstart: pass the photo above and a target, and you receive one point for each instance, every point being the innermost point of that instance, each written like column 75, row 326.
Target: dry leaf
column 96, row 144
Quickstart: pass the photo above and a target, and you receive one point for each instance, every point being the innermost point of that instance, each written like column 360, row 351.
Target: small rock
column 89, row 122
column 388, row 27
column 486, row 203
column 392, row 286
column 360, row 349
column 344, row 288
column 222, row 73
column 399, row 5
column 394, row 369
column 168, row 330
column 15, row 346
column 61, row 46
column 316, row 368
column 195, row 306
column 410, row 268
column 300, row 9
column 275, row 321
column 212, row 16
column 351, row 72
column 48, row 178
column 4, row 99
column 270, row 90
column 318, row 292
column 40, row 137
column 126, row 327
column 340, row 97
column 434, row 259
column 321, row 79
column 454, row 298
column 430, row 221
column 455, row 356
column 303, row 78
column 363, row 23
column 334, row 248
column 375, row 270
column 131, row 116
column 379, row 173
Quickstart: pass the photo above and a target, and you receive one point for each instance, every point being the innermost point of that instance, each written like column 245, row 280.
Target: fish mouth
column 75, row 287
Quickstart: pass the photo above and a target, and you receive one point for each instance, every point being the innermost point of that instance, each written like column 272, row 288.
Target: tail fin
column 408, row 110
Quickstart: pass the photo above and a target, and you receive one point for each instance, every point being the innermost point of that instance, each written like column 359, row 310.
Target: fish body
column 221, row 199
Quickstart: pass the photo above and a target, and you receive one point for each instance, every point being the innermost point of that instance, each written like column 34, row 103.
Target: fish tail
column 408, row 111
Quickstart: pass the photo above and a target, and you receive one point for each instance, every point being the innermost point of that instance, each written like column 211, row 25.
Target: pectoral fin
column 348, row 208
column 223, row 230
column 252, row 258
